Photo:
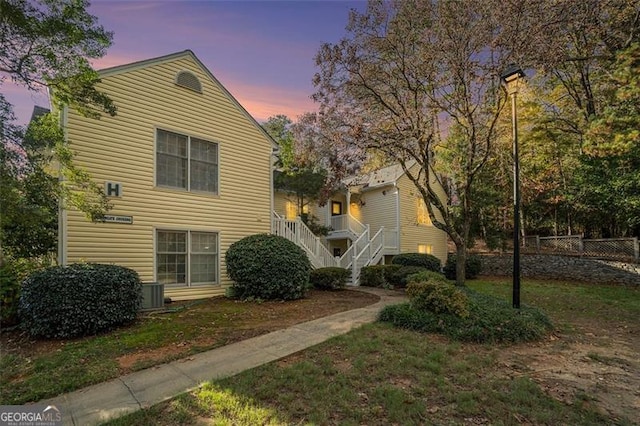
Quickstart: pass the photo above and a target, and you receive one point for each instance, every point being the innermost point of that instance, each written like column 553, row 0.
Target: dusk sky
column 261, row 51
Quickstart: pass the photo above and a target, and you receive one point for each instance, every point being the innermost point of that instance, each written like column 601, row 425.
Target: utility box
column 152, row 296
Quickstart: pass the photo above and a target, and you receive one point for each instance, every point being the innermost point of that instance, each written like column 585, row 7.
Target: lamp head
column 510, row 77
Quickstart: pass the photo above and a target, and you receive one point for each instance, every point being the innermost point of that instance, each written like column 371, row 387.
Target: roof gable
column 378, row 178
column 120, row 69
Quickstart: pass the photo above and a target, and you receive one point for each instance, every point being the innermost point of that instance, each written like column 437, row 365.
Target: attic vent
column 188, row 80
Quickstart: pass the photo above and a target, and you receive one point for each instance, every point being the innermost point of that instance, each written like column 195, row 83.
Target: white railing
column 340, row 223
column 299, row 233
column 346, row 222
column 391, row 239
column 364, row 251
column 376, row 246
column 356, row 226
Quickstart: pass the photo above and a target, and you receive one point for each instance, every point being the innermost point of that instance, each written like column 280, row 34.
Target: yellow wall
column 122, row 149
column 413, row 233
column 378, row 208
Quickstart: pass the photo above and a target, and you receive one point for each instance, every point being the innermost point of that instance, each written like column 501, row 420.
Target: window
column 422, row 214
column 291, row 210
column 336, row 208
column 425, row 248
column 186, row 257
column 186, row 162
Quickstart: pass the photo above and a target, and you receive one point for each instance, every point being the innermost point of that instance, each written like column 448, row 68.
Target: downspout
column 62, row 212
column 272, row 168
column 398, row 233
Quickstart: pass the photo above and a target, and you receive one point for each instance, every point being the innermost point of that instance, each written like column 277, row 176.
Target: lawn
column 586, row 373
column 31, row 370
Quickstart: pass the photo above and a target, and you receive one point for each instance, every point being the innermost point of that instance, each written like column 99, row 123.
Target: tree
column 418, row 82
column 570, row 119
column 279, row 128
column 46, row 43
column 296, row 175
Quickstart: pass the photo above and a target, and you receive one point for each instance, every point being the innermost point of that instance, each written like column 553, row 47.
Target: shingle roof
column 378, row 178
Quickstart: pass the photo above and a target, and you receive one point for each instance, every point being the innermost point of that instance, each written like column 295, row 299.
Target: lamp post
column 510, row 79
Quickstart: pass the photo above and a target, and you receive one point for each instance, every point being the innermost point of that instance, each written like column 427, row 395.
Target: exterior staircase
column 364, row 250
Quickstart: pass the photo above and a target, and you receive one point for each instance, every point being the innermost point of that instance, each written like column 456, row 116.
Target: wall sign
column 111, row 218
column 113, row 189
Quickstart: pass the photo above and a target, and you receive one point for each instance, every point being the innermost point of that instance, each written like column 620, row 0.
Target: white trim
column 272, row 190
column 189, row 136
column 188, row 285
column 62, row 211
column 398, row 229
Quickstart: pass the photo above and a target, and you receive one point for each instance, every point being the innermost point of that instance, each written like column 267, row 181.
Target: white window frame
column 188, row 171
column 188, row 283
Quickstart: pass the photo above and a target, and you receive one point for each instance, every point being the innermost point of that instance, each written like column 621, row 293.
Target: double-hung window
column 186, row 257
column 186, row 162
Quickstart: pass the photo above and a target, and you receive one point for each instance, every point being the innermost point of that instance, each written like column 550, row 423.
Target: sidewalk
column 142, row 389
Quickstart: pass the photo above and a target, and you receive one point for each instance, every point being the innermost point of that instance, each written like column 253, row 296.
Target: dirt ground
column 598, row 363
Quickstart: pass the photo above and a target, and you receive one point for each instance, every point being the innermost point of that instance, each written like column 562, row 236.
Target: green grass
column 379, row 374
column 568, row 302
column 374, row 375
column 77, row 363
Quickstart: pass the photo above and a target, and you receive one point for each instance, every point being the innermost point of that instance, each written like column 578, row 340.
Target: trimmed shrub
column 268, row 267
column 438, row 295
column 426, row 261
column 79, row 300
column 426, row 276
column 381, row 276
column 331, row 278
column 372, row 276
column 398, row 278
column 473, row 266
column 490, row 320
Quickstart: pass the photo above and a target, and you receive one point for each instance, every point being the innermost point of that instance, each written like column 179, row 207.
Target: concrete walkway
column 142, row 389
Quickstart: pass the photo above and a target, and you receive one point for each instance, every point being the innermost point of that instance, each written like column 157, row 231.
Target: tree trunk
column 461, row 261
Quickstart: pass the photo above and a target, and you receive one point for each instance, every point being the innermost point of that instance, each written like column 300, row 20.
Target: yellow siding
column 280, row 203
column 122, row 149
column 378, row 208
column 411, row 232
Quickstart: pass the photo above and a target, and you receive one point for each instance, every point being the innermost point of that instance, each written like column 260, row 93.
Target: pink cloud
column 263, row 102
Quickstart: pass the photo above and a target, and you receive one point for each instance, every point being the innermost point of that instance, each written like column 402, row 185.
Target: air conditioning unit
column 152, row 296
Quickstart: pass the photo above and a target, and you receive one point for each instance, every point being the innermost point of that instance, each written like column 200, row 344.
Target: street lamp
column 510, row 81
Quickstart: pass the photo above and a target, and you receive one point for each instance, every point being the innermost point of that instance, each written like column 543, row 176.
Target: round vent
column 188, row 80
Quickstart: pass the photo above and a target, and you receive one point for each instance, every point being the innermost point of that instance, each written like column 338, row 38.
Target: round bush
column 436, row 294
column 473, row 266
column 399, row 277
column 79, row 300
column 426, row 261
column 268, row 267
column 331, row 278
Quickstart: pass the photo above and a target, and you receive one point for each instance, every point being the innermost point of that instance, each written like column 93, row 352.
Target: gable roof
column 107, row 72
column 378, row 178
